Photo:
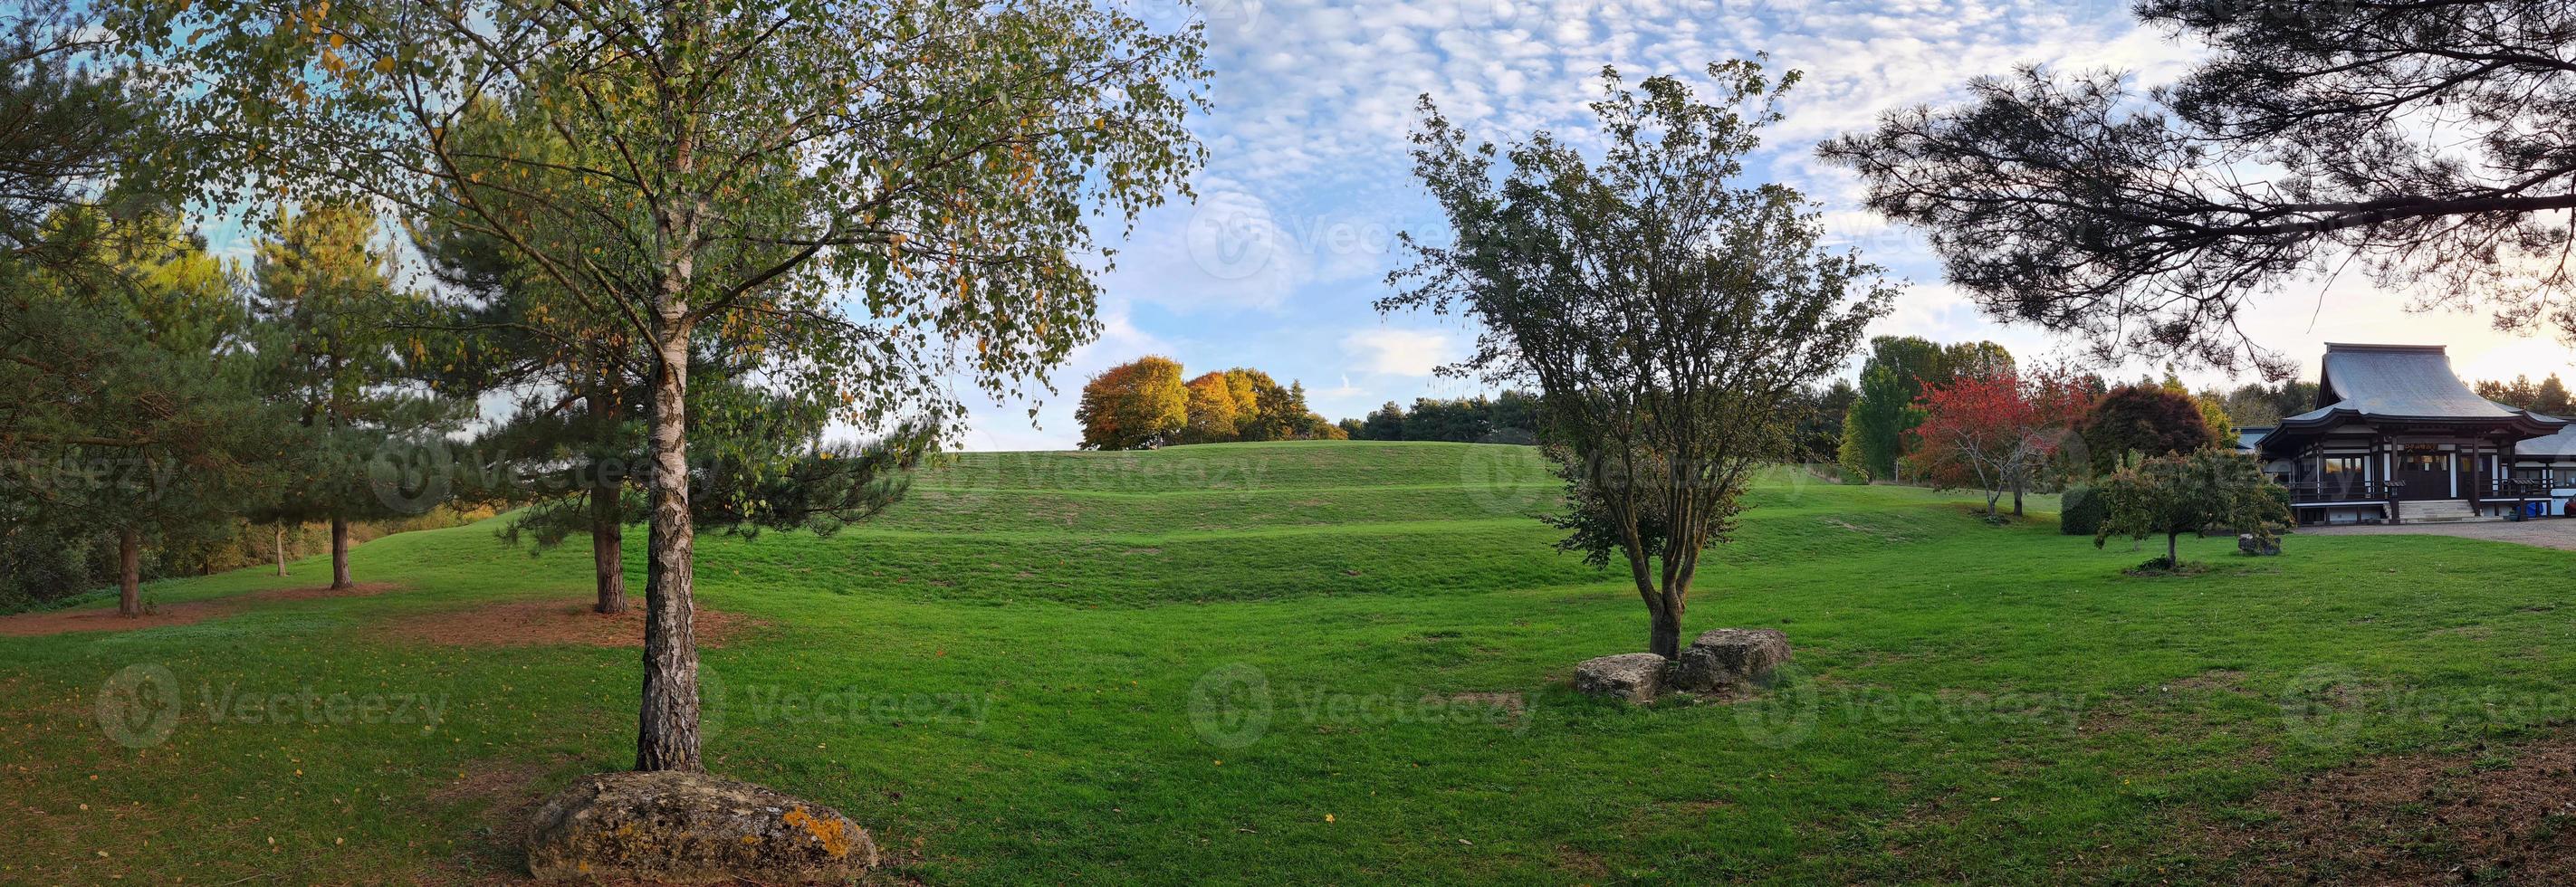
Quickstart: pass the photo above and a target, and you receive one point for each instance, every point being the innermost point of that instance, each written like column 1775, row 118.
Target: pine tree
column 325, row 307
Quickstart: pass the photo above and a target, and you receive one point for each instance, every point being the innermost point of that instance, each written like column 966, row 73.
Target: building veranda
column 2397, row 437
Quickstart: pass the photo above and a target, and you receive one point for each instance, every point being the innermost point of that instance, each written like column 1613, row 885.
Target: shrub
column 2080, row 511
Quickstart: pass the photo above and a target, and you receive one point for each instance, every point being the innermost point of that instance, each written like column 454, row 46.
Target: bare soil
column 2492, row 814
column 66, row 621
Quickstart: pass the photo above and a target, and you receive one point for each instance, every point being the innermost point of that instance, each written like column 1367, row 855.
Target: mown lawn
column 1313, row 663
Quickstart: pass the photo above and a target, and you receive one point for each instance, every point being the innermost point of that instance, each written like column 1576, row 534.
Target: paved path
column 2548, row 532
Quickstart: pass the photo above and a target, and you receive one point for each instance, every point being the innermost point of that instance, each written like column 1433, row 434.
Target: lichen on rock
column 692, row 828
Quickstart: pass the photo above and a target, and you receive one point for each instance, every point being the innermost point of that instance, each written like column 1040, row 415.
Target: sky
column 1278, row 261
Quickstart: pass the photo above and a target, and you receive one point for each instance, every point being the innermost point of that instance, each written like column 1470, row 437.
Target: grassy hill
column 1320, row 662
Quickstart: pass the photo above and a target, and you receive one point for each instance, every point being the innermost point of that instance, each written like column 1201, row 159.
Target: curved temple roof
column 2403, row 382
column 2556, row 446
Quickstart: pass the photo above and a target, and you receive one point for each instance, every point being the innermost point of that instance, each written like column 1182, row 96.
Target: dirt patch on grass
column 503, row 782
column 2224, row 679
column 1582, row 864
column 67, row 621
column 2490, row 814
column 509, row 793
column 545, row 622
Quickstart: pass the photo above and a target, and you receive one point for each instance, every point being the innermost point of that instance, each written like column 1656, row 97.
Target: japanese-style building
column 2397, row 437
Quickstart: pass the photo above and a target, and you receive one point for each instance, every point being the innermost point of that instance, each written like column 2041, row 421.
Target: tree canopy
column 2131, row 421
column 2549, row 398
column 1137, row 405
column 2415, row 141
column 1143, row 404
column 128, row 391
column 1995, row 430
column 1892, row 381
column 1511, row 417
column 885, row 196
column 1663, row 307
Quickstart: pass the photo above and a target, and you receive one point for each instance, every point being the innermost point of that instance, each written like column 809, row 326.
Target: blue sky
column 1276, row 264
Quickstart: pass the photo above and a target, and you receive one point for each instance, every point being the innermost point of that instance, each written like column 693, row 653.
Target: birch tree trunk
column 666, row 735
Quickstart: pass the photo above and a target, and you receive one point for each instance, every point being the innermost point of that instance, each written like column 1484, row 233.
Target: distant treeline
column 1511, row 418
column 2549, row 398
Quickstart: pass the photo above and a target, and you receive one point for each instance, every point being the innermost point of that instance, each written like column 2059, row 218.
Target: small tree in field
column 2184, row 492
column 1994, row 431
column 329, row 358
column 1668, row 313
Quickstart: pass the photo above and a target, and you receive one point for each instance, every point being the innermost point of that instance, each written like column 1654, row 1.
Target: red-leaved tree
column 1993, row 431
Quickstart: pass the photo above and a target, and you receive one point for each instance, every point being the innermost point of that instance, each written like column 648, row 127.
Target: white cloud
column 1398, row 352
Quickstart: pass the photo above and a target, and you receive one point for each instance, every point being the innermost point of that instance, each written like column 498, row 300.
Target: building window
column 2344, row 468
column 2530, row 472
column 2423, row 458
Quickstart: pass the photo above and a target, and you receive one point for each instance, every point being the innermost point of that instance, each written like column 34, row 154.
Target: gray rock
column 2257, row 545
column 1730, row 660
column 691, row 828
column 1636, row 677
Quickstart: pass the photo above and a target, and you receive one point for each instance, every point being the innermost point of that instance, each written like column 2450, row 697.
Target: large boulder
column 1636, row 677
column 2258, row 545
column 691, row 828
column 1730, row 660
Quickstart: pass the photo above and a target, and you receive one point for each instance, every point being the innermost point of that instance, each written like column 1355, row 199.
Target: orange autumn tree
column 1992, row 431
column 1137, row 405
column 1212, row 410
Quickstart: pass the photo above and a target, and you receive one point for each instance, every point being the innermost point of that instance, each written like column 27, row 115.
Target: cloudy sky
column 1276, row 264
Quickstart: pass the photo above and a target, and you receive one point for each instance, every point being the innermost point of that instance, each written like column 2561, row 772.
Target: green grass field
column 1311, row 662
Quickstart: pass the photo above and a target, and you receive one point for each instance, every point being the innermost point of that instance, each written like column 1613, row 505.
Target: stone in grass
column 1730, row 660
column 1636, row 677
column 2258, row 545
column 691, row 828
